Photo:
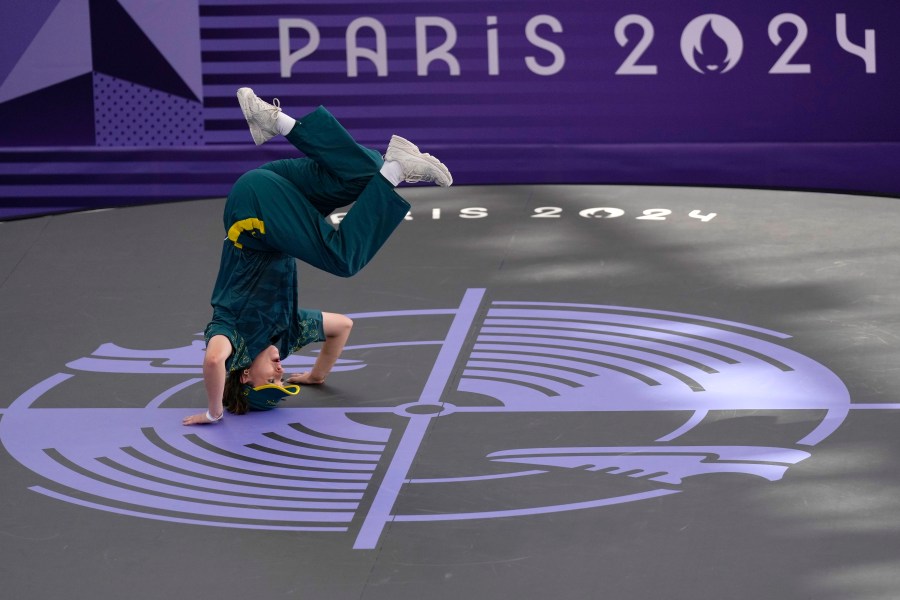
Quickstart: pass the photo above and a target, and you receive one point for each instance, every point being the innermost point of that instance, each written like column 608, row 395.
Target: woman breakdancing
column 276, row 213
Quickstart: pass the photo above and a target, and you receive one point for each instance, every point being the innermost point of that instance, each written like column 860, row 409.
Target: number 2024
column 607, row 212
column 784, row 64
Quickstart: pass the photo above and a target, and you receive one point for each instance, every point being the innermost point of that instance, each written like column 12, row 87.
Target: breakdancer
column 275, row 214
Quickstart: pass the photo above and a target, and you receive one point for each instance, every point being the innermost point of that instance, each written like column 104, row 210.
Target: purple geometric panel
column 120, row 48
column 128, row 114
column 70, row 102
column 173, row 26
column 38, row 54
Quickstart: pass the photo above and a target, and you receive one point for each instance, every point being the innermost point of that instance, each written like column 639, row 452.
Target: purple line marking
column 695, row 420
column 652, row 312
column 157, row 402
column 241, row 486
column 144, row 515
column 449, row 354
column 24, row 401
column 404, row 313
column 260, row 500
column 379, row 514
column 538, row 510
column 477, row 477
column 391, row 344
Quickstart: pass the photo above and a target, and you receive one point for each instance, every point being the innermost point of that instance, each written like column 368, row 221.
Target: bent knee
column 344, row 323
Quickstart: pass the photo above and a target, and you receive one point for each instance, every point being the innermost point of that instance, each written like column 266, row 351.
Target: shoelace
column 274, row 107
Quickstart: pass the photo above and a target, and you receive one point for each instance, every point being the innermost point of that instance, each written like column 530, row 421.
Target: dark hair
column 233, row 397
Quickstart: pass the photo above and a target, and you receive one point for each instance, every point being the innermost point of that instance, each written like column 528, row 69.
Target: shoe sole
column 404, row 146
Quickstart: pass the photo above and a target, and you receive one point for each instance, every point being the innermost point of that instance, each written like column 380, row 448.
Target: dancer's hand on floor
column 305, row 379
column 199, row 419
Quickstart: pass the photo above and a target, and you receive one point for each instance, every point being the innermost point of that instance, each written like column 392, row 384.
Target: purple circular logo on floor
column 326, row 469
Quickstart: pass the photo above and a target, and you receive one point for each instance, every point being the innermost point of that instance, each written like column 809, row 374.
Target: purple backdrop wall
column 109, row 103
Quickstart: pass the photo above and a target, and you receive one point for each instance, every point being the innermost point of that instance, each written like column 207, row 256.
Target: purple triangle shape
column 122, row 50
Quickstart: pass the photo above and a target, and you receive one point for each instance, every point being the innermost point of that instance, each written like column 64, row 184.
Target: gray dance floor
column 550, row 392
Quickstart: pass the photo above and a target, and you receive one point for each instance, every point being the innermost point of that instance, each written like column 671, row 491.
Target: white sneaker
column 260, row 115
column 417, row 166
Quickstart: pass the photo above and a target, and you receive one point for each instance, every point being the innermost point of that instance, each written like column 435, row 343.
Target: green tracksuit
column 276, row 213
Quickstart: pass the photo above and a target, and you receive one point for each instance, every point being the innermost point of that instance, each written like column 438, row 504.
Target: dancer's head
column 258, row 387
column 265, row 369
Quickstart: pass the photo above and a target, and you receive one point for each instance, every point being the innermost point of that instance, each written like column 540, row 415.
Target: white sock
column 392, row 171
column 284, row 123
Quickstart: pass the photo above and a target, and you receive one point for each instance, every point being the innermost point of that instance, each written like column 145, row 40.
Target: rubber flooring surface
column 560, row 392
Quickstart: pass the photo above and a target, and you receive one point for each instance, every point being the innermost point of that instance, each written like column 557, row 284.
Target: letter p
column 287, row 57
